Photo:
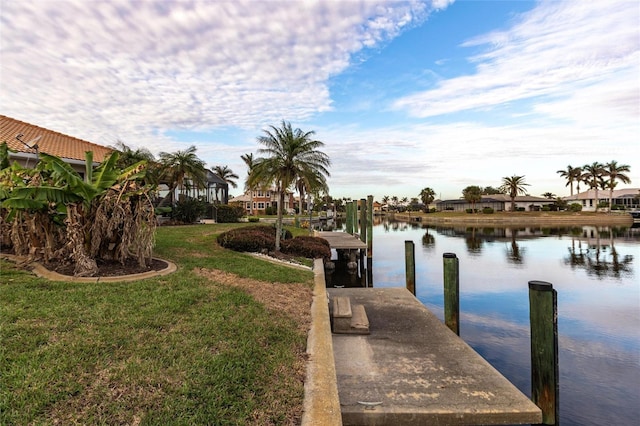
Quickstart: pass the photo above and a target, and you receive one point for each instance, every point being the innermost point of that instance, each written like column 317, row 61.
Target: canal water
column 595, row 271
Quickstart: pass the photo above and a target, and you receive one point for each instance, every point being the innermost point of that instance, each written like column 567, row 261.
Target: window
column 260, row 206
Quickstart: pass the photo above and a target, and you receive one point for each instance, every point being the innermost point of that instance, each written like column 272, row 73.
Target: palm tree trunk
column 279, row 221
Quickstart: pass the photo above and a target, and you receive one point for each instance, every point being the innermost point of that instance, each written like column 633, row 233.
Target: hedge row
column 262, row 238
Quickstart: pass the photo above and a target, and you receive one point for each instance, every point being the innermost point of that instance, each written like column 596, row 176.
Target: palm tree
column 248, row 160
column 427, row 195
column 592, row 175
column 291, row 155
column 513, row 186
column 226, row 174
column 549, row 195
column 472, row 194
column 180, row 166
column 615, row 172
column 572, row 174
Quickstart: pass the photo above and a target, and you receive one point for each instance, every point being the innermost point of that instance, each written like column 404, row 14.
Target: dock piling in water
column 451, row 292
column 543, row 311
column 410, row 266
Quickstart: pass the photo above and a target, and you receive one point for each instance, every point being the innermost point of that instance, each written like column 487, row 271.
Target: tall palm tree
column 290, row 155
column 513, row 185
column 572, row 174
column 248, row 160
column 615, row 172
column 226, row 174
column 549, row 195
column 427, row 195
column 592, row 175
column 180, row 166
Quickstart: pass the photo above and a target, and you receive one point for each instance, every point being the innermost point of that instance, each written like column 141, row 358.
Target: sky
column 405, row 95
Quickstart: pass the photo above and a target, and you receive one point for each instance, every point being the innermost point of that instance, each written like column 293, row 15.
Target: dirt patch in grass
column 293, row 300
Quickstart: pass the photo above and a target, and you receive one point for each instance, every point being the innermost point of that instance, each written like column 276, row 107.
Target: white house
column 627, row 197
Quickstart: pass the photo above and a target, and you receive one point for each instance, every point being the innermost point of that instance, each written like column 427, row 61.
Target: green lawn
column 171, row 350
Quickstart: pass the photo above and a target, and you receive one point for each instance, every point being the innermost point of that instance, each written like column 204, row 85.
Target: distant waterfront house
column 498, row 202
column 216, row 191
column 263, row 199
column 627, row 197
column 27, row 140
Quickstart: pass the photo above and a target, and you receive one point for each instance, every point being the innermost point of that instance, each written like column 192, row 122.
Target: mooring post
column 354, row 218
column 410, row 266
column 451, row 292
column 543, row 313
column 363, row 220
column 349, row 221
column 370, row 240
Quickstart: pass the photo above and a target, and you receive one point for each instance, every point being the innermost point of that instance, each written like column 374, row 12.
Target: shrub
column 309, row 247
column 189, row 210
column 228, row 214
column 487, row 210
column 253, row 219
column 546, row 208
column 269, row 211
column 253, row 238
column 575, row 207
column 163, row 211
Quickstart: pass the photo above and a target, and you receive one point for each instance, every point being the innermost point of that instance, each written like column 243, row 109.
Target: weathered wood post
column 451, row 292
column 363, row 238
column 349, row 218
column 363, row 220
column 370, row 240
column 354, row 217
column 543, row 313
column 410, row 266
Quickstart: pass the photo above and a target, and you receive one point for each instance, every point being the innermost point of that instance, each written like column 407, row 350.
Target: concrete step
column 349, row 319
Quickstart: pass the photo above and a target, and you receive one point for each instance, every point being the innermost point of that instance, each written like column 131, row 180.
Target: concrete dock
column 412, row 370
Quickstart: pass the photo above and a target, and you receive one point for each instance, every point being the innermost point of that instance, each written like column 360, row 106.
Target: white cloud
column 138, row 68
column 559, row 48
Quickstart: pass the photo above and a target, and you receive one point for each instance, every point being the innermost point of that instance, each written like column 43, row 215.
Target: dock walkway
column 412, row 370
column 342, row 240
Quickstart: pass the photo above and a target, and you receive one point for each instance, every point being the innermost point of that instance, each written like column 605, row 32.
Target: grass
column 173, row 350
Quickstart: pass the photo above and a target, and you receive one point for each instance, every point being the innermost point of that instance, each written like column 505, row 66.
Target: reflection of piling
column 410, row 266
column 451, row 292
column 543, row 312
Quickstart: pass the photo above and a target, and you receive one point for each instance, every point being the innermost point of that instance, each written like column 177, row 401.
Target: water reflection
column 595, row 271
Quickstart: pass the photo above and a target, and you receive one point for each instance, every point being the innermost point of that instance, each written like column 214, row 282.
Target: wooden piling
column 363, row 220
column 543, row 312
column 370, row 240
column 451, row 292
column 370, row 226
column 349, row 218
column 410, row 266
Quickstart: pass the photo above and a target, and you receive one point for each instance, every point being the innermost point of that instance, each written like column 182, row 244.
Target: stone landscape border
column 43, row 272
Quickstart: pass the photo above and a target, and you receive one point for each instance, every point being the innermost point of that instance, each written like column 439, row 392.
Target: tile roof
column 590, row 194
column 51, row 142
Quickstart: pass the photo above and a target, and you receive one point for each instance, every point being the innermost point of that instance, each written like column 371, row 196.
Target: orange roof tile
column 51, row 142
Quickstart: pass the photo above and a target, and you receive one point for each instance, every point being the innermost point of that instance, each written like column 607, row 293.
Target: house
column 627, row 197
column 498, row 202
column 216, row 191
column 263, row 199
column 27, row 140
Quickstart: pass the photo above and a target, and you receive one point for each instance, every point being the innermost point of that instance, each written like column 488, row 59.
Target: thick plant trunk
column 279, row 221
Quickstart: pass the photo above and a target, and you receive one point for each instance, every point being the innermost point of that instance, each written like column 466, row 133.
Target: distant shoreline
column 517, row 218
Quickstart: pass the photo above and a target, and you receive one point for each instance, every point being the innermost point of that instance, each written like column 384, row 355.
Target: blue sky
column 404, row 94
